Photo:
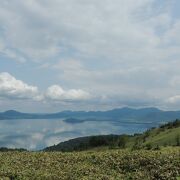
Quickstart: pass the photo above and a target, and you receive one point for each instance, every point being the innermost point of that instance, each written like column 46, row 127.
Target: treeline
column 85, row 143
column 4, row 149
column 170, row 125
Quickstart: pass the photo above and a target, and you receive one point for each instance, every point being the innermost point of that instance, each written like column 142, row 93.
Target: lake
column 37, row 134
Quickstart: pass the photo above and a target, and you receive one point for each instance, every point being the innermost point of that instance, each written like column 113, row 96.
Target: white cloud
column 113, row 48
column 41, row 30
column 174, row 99
column 56, row 93
column 10, row 87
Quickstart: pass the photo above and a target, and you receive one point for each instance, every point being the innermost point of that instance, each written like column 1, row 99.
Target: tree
column 137, row 145
column 177, row 140
column 148, row 146
column 122, row 142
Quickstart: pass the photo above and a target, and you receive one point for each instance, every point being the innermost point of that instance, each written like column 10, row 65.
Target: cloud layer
column 124, row 53
column 11, row 88
column 117, row 29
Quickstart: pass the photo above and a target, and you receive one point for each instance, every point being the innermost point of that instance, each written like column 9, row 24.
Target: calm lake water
column 37, row 134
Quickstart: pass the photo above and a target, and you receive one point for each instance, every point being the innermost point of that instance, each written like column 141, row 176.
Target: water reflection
column 37, row 134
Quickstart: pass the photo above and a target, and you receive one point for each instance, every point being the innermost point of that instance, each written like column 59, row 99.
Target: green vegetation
column 111, row 157
column 4, row 149
column 90, row 165
column 165, row 135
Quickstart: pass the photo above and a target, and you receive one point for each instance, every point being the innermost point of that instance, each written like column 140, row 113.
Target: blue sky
column 89, row 55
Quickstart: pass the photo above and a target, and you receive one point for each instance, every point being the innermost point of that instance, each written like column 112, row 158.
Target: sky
column 89, row 55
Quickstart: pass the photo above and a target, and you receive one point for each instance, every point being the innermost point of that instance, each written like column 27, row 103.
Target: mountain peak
column 12, row 112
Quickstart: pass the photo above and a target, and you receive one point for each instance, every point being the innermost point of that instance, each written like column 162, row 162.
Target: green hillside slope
column 168, row 137
column 165, row 135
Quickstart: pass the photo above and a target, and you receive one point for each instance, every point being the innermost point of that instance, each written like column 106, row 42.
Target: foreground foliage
column 105, row 165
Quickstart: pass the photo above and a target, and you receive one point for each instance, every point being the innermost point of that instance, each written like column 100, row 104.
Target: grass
column 156, row 137
column 92, row 165
column 168, row 136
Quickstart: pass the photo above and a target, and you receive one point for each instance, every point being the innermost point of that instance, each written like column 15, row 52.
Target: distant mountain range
column 144, row 115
